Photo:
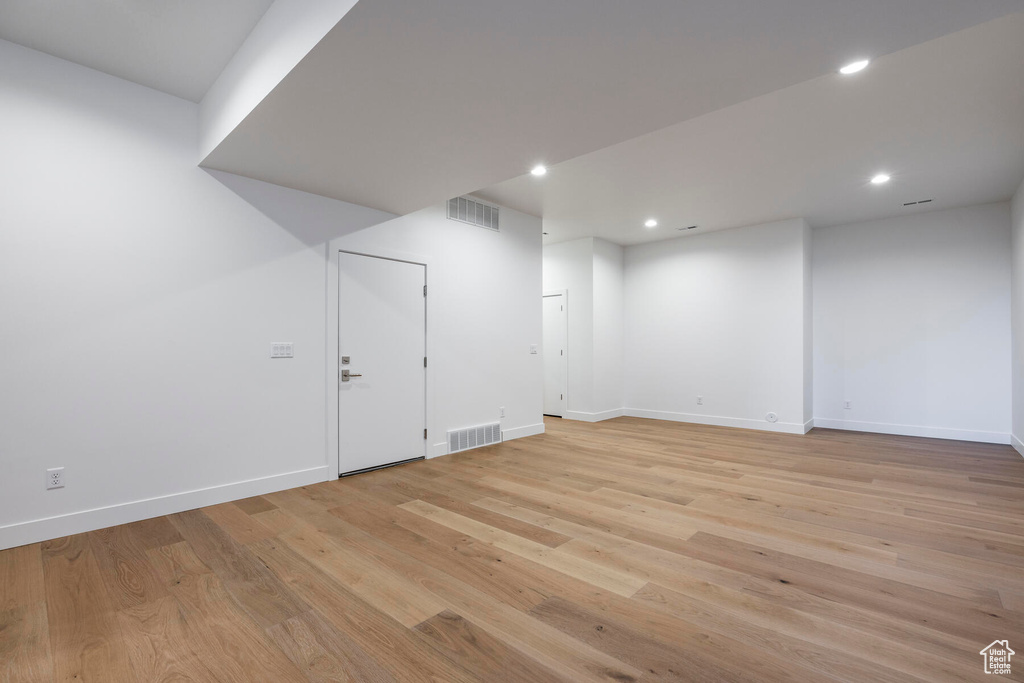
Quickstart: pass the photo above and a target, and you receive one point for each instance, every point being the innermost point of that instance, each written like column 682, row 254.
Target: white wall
column 912, row 324
column 609, row 323
column 907, row 318
column 721, row 315
column 1017, row 302
column 808, row 323
column 140, row 294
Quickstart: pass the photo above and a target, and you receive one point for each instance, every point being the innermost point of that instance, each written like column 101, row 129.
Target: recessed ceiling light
column 650, row 223
column 854, row 67
column 539, row 170
column 880, row 179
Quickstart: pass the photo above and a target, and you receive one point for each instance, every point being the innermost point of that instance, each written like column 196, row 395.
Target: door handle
column 346, row 374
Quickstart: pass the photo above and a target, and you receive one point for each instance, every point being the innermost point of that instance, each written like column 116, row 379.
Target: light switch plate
column 282, row 350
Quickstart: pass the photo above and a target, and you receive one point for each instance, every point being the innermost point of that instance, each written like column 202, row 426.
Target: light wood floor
column 625, row 550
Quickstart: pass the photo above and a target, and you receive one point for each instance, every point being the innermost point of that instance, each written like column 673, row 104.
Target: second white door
column 555, row 350
column 382, row 349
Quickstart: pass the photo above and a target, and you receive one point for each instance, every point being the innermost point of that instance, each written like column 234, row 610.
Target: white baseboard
column 808, row 426
column 520, row 432
column 913, row 430
column 594, row 417
column 1017, row 444
column 719, row 421
column 48, row 528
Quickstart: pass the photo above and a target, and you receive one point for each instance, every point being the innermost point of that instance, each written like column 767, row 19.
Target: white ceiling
column 406, row 103
column 177, row 46
column 945, row 119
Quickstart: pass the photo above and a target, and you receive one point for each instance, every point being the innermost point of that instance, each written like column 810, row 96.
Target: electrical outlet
column 501, row 411
column 848, row 405
column 700, row 400
column 533, row 348
column 55, row 478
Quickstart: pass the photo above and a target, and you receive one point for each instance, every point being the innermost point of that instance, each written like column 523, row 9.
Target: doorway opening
column 556, row 352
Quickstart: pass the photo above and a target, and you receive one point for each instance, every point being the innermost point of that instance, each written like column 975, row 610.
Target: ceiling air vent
column 473, row 437
column 473, row 212
column 921, row 201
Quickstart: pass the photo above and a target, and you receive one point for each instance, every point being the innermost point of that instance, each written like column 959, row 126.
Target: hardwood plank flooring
column 627, row 550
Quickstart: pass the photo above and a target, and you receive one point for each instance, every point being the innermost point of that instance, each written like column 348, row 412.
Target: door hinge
column 424, row 361
column 561, row 397
column 424, row 290
column 424, row 432
column 561, row 352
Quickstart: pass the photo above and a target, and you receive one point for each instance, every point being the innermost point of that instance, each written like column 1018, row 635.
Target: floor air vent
column 473, row 437
column 473, row 212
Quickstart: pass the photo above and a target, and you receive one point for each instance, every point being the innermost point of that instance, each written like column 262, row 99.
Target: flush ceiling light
column 650, row 223
column 854, row 67
column 539, row 170
column 880, row 179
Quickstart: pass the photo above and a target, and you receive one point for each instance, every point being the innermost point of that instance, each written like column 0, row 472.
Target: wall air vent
column 473, row 437
column 473, row 212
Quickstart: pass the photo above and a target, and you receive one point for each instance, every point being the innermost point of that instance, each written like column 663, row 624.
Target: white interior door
column 382, row 319
column 555, row 354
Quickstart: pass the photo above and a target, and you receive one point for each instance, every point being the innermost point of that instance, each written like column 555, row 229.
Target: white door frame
column 564, row 293
column 334, row 248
